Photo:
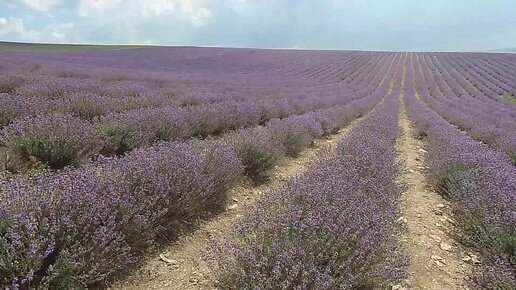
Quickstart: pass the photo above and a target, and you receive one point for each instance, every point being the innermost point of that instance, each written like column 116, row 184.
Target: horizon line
column 3, row 42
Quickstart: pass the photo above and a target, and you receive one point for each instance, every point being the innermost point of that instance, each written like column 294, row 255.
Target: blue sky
column 403, row 25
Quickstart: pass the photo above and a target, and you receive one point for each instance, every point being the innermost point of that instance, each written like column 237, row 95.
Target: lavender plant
column 11, row 107
column 9, row 83
column 296, row 133
column 55, row 141
column 258, row 150
column 78, row 228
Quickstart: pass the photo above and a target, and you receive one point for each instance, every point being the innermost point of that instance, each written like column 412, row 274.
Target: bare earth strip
column 436, row 259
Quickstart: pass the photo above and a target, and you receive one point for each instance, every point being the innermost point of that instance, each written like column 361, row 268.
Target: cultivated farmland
column 202, row 168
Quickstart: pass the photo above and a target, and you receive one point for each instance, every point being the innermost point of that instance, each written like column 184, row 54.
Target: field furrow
column 435, row 257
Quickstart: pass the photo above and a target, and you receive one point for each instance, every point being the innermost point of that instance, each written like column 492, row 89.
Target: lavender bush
column 77, row 228
column 55, row 141
column 130, row 111
column 296, row 133
column 118, row 138
column 9, row 83
column 88, row 105
column 11, row 107
column 258, row 151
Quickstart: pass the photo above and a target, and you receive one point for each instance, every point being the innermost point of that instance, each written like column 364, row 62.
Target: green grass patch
column 510, row 99
column 62, row 47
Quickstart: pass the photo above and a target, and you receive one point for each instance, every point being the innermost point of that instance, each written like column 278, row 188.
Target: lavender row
column 41, row 93
column 75, row 229
column 57, row 141
column 461, row 89
column 484, row 102
column 85, row 92
column 79, row 228
column 330, row 228
column 164, row 124
column 483, row 74
column 80, row 137
column 499, row 115
column 478, row 128
column 481, row 184
column 481, row 79
column 455, row 77
column 88, row 99
column 498, row 132
column 503, row 66
column 295, row 133
column 266, row 67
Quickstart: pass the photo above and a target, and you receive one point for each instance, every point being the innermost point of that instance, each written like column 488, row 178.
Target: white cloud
column 116, row 10
column 89, row 8
column 158, row 7
column 196, row 11
column 16, row 30
column 61, row 32
column 40, row 5
column 200, row 17
column 12, row 25
column 266, row 23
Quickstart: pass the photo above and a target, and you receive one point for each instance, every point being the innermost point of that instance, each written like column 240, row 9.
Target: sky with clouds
column 405, row 25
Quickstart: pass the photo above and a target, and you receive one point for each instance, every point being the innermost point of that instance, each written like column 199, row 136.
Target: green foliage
column 257, row 162
column 258, row 156
column 72, row 74
column 38, row 152
column 295, row 143
column 9, row 84
column 186, row 101
column 478, row 232
column 62, row 47
column 421, row 132
column 87, row 109
column 8, row 162
column 481, row 234
column 118, row 140
column 448, row 182
column 508, row 243
column 265, row 117
column 62, row 276
column 513, row 158
column 7, row 115
column 510, row 98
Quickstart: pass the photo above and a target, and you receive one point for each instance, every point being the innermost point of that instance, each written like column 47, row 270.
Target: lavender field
column 113, row 161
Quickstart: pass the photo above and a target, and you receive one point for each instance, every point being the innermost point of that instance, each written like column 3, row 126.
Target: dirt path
column 437, row 261
column 181, row 266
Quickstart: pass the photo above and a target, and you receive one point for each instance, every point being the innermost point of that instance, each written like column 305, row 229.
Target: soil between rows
column 436, row 259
